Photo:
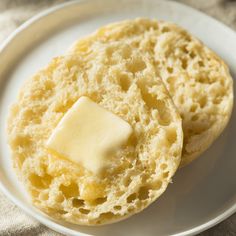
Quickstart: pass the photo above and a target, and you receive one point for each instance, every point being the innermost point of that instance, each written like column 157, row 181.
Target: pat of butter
column 88, row 133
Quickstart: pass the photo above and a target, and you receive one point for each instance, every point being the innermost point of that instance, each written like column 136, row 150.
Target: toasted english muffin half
column 122, row 80
column 197, row 79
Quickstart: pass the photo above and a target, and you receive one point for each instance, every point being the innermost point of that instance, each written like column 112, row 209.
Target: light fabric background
column 14, row 222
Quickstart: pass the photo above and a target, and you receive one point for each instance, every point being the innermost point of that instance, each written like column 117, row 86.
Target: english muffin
column 197, row 79
column 122, row 80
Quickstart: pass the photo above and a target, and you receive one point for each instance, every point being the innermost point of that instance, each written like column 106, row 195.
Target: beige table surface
column 14, row 222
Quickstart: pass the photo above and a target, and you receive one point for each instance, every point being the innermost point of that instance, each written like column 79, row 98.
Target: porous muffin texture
column 122, row 80
column 197, row 79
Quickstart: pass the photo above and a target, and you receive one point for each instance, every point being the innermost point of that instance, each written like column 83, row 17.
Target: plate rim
column 225, row 213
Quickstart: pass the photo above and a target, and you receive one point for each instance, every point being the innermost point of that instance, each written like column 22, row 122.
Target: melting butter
column 88, row 133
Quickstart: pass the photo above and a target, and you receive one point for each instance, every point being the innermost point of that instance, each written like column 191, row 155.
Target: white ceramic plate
column 204, row 193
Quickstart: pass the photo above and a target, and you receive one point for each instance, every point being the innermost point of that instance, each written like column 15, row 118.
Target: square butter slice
column 88, row 133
